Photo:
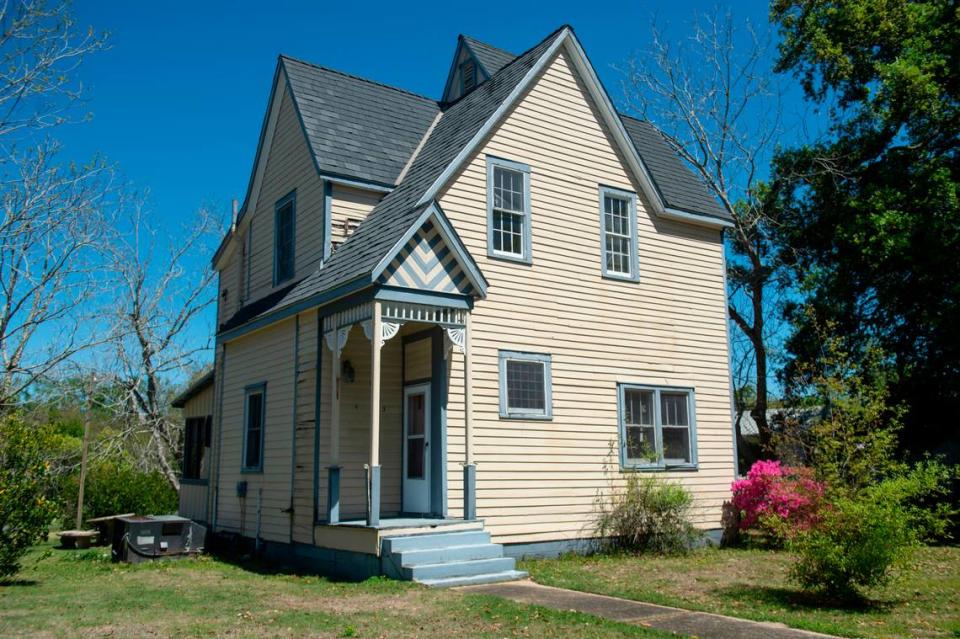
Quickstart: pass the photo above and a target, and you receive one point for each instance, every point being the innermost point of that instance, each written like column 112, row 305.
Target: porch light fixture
column 348, row 373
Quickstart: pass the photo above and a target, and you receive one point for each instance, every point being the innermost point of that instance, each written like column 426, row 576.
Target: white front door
column 416, row 449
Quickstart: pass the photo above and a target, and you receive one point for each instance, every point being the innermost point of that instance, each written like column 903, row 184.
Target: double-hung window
column 284, row 226
column 508, row 210
column 254, row 418
column 525, row 386
column 657, row 427
column 618, row 234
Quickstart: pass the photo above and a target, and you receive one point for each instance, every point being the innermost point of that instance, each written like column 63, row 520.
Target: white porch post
column 469, row 468
column 333, row 479
column 373, row 487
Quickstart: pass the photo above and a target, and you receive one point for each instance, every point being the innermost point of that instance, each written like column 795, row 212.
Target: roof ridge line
column 487, row 44
column 358, row 77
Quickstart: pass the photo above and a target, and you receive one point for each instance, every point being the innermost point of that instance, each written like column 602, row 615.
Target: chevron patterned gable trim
column 427, row 263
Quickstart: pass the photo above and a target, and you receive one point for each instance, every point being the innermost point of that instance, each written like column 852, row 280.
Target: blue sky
column 178, row 99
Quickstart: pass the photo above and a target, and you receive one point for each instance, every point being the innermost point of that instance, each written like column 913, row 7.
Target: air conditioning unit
column 147, row 537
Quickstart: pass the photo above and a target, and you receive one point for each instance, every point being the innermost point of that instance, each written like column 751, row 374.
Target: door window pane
column 415, row 449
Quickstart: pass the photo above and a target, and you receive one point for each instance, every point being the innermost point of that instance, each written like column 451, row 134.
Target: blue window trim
column 253, row 389
column 289, row 198
column 660, row 464
column 527, row 257
column 547, row 360
column 631, row 198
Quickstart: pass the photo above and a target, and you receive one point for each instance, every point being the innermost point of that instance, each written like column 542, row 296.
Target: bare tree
column 717, row 102
column 164, row 286
column 51, row 213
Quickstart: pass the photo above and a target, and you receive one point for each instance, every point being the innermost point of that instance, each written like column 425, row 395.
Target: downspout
column 220, row 377
column 316, row 428
column 293, row 419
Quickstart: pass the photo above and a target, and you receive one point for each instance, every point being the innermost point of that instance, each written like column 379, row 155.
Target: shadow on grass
column 799, row 600
column 244, row 557
column 13, row 583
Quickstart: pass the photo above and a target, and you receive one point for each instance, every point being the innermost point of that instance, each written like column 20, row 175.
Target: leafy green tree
column 871, row 223
column 26, row 509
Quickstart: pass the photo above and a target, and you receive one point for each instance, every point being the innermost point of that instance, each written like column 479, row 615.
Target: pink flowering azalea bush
column 777, row 500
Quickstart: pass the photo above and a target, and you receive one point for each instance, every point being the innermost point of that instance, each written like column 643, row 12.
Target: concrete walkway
column 704, row 625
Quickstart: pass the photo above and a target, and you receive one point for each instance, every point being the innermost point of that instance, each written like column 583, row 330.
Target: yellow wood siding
column 417, row 360
column 289, row 166
column 200, row 405
column 538, row 480
column 349, row 207
column 262, row 357
column 193, row 501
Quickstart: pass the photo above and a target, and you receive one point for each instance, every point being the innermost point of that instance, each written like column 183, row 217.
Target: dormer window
column 468, row 76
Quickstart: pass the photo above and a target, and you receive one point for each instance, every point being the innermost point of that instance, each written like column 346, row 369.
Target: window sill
column 686, row 468
column 506, row 257
column 525, row 418
column 251, row 471
column 621, row 278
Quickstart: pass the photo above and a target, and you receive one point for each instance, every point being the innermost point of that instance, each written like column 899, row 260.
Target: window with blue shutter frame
column 284, row 238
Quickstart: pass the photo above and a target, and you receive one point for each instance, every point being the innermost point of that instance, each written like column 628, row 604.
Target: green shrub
column 856, row 543
column 646, row 515
column 25, row 485
column 114, row 487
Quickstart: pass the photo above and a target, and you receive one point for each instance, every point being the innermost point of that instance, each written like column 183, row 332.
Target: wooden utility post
column 88, row 388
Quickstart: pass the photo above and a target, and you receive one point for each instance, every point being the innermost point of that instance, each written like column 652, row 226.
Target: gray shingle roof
column 388, row 221
column 357, row 128
column 363, row 129
column 492, row 58
column 676, row 183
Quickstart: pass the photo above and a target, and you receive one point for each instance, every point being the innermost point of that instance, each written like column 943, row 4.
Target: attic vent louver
column 468, row 75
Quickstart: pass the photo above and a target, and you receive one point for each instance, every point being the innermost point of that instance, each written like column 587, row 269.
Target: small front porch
column 385, row 459
column 356, row 535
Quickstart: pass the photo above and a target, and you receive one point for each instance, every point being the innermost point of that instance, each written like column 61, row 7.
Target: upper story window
column 525, row 385
column 618, row 234
column 657, row 427
column 468, row 76
column 254, row 418
column 285, row 218
column 508, row 210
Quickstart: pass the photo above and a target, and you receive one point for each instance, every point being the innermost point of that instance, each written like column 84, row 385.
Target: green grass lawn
column 62, row 593
column 921, row 602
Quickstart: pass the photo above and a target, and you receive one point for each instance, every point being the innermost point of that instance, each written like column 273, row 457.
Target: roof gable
column 357, row 128
column 433, row 259
column 489, row 60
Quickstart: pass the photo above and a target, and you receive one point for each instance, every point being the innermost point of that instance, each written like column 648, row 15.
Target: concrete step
column 435, row 540
column 449, row 553
column 488, row 578
column 471, row 568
